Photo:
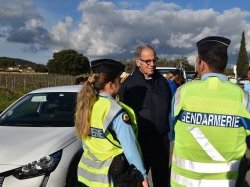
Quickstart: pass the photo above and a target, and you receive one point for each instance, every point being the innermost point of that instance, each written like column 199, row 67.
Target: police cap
column 213, row 43
column 107, row 66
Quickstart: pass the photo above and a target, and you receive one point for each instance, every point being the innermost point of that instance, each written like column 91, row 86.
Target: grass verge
column 7, row 97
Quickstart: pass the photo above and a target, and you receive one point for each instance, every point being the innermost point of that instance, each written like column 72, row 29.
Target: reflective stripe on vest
column 200, row 183
column 113, row 111
column 96, row 164
column 212, row 122
column 89, row 152
column 205, row 144
column 115, row 108
column 206, row 167
column 102, row 178
column 246, row 99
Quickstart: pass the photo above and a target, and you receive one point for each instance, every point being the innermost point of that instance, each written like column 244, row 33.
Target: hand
column 145, row 182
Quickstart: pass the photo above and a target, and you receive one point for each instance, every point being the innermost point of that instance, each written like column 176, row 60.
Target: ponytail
column 85, row 102
column 86, row 99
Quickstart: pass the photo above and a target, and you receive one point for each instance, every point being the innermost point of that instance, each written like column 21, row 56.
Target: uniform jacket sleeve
column 127, row 139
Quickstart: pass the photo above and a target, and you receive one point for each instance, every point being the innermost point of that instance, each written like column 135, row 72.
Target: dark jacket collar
column 137, row 72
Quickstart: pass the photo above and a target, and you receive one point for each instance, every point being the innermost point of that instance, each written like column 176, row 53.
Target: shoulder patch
column 126, row 118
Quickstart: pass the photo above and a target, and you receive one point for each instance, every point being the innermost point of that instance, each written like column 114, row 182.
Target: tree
column 129, row 65
column 178, row 62
column 242, row 61
column 41, row 68
column 68, row 62
column 183, row 62
column 5, row 63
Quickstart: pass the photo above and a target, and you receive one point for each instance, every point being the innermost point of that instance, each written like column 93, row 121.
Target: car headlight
column 39, row 167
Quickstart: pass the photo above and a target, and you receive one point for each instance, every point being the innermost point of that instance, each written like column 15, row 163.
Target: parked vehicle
column 165, row 70
column 190, row 75
column 233, row 80
column 37, row 139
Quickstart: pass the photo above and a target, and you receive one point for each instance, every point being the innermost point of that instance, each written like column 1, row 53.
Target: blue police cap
column 213, row 43
column 106, row 66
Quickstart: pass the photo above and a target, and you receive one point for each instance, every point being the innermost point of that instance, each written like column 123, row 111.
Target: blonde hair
column 86, row 99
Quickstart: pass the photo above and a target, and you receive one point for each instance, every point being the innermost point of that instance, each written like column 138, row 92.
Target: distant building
column 27, row 70
column 13, row 69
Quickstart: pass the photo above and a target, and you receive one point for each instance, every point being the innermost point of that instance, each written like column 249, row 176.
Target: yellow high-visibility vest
column 212, row 123
column 101, row 147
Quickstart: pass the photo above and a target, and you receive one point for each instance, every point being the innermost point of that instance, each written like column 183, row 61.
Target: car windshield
column 41, row 110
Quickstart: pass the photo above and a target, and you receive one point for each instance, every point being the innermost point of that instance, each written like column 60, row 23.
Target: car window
column 164, row 71
column 43, row 109
column 190, row 75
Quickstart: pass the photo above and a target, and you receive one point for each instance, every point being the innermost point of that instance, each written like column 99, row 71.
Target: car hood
column 22, row 145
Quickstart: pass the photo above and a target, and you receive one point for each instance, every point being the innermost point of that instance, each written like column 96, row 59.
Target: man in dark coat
column 148, row 93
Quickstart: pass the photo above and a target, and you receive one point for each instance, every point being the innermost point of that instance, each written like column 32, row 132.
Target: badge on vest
column 126, row 118
column 209, row 119
column 97, row 133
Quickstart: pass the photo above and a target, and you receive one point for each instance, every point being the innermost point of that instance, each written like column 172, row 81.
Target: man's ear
column 197, row 58
column 204, row 67
column 110, row 85
column 138, row 62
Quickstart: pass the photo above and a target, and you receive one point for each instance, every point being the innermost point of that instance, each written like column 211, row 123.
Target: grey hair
column 137, row 54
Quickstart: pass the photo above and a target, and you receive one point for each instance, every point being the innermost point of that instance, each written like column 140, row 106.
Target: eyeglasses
column 150, row 60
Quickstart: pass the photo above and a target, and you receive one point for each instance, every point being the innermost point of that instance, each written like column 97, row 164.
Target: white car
column 37, row 139
column 165, row 70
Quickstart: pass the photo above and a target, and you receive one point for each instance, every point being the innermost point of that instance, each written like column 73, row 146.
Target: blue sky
column 35, row 29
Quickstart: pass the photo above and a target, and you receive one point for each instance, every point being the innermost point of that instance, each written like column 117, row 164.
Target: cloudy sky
column 35, row 29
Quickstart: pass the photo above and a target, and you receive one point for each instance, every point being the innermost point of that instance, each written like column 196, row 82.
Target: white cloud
column 33, row 23
column 156, row 41
column 180, row 40
column 16, row 8
column 191, row 58
column 247, row 35
column 4, row 30
column 60, row 31
column 20, row 23
column 107, row 30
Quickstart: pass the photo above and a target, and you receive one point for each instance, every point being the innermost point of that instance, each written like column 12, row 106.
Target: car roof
column 168, row 68
column 72, row 88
